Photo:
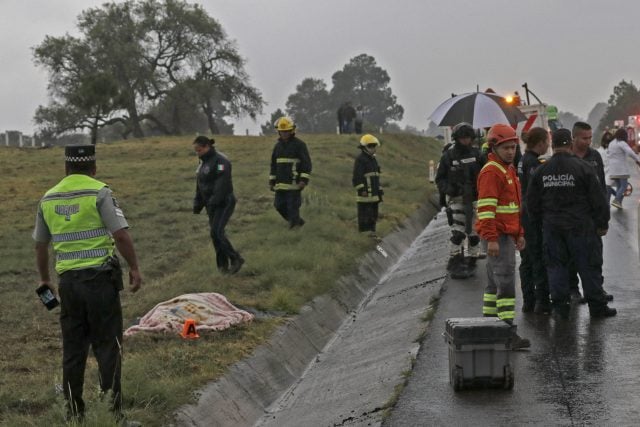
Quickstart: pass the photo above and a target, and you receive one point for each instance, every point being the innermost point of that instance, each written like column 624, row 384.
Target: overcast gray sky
column 571, row 52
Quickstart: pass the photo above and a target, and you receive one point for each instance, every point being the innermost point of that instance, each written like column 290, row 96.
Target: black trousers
column 90, row 315
column 287, row 203
column 533, row 271
column 367, row 216
column 583, row 248
column 218, row 219
column 574, row 280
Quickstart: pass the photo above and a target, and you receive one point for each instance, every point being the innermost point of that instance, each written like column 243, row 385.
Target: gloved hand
column 301, row 185
column 362, row 193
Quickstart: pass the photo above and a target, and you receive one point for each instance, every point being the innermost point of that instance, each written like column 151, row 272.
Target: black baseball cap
column 561, row 138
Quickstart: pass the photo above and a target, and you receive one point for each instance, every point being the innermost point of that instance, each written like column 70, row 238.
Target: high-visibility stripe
column 511, row 208
column 359, row 186
column 90, row 253
column 79, row 235
column 505, row 302
column 283, row 186
column 371, row 199
column 496, row 164
column 287, row 160
column 272, row 177
column 488, row 201
column 506, row 315
column 490, row 297
column 489, row 311
column 372, row 174
column 486, row 215
column 305, row 175
column 69, row 195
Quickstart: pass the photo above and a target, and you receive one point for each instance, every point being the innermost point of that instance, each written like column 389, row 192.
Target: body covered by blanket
column 211, row 311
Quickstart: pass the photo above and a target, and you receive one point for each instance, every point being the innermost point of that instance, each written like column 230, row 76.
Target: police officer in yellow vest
column 83, row 222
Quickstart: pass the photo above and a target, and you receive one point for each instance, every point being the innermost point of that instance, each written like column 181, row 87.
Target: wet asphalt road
column 577, row 372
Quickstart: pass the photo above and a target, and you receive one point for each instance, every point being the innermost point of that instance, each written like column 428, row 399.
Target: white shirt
column 617, row 154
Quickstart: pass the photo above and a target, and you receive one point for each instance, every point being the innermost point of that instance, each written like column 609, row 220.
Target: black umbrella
column 479, row 109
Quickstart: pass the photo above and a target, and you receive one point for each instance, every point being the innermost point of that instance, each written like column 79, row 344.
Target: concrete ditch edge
column 243, row 394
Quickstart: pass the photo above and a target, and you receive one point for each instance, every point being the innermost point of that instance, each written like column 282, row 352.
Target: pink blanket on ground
column 210, row 311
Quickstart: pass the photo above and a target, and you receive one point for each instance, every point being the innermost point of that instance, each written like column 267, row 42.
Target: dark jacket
column 213, row 181
column 366, row 178
column 594, row 158
column 527, row 166
column 290, row 164
column 565, row 193
column 458, row 171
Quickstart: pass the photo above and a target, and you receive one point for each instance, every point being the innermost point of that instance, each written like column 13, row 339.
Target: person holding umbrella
column 456, row 180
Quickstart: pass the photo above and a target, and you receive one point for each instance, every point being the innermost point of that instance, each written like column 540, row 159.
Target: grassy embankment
column 154, row 182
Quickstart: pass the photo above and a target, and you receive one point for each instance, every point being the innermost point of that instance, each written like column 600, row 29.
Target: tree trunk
column 134, row 119
column 94, row 130
column 208, row 111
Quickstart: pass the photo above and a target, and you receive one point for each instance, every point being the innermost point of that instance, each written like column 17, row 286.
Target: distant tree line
column 144, row 67
column 361, row 81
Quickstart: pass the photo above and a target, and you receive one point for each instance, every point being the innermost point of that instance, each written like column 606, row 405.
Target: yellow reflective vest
column 79, row 237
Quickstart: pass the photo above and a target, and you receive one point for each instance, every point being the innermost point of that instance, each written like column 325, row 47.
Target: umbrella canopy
column 479, row 109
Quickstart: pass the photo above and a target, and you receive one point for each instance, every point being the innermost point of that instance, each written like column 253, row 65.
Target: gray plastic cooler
column 479, row 352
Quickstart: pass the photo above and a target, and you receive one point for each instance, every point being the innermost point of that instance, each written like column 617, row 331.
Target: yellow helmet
column 369, row 139
column 284, row 124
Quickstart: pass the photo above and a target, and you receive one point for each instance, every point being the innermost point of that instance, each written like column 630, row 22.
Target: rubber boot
column 470, row 263
column 454, row 261
column 519, row 343
column 459, row 268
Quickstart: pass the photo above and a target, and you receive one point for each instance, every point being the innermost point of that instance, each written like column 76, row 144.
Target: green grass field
column 154, row 181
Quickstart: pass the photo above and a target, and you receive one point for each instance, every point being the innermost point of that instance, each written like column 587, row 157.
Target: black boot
column 470, row 263
column 459, row 268
column 560, row 309
column 528, row 306
column 517, row 342
column 604, row 311
column 236, row 264
column 542, row 307
column 454, row 261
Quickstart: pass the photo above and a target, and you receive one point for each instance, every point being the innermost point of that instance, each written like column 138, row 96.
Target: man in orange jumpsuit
column 499, row 224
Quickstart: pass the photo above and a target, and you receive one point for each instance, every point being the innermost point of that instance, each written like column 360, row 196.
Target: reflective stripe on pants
column 501, row 275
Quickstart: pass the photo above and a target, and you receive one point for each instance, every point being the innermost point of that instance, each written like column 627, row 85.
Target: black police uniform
column 366, row 180
column 594, row 158
column 290, row 164
column 564, row 193
column 533, row 273
column 214, row 191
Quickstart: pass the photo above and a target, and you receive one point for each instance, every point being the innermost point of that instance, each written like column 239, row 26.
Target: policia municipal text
column 83, row 221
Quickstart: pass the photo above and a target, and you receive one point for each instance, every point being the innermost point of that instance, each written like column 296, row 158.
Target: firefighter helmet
column 500, row 133
column 369, row 139
column 463, row 130
column 284, row 124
